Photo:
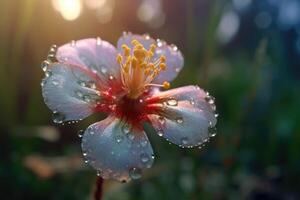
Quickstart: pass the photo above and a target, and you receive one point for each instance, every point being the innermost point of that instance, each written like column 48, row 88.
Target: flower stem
column 98, row 191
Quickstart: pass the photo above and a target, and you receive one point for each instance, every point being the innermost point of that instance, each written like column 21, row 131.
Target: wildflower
column 127, row 83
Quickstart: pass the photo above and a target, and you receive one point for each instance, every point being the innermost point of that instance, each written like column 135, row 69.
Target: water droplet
column 174, row 47
column 86, row 98
column 179, row 120
column 93, row 86
column 152, row 156
column 144, row 143
column 216, row 115
column 80, row 133
column 212, row 131
column 48, row 73
column 73, row 43
column 82, row 83
column 147, row 36
column 111, row 77
column 55, row 83
column 161, row 120
column 103, row 70
column 86, row 161
column 98, row 41
column 130, row 136
column 135, row 173
column 119, row 138
column 99, row 173
column 45, row 65
column 160, row 133
column 91, row 131
column 84, row 154
column 192, row 102
column 58, row 117
column 172, row 102
column 79, row 93
column 126, row 129
column 177, row 69
column 144, row 157
column 159, row 43
column 184, row 140
column 43, row 82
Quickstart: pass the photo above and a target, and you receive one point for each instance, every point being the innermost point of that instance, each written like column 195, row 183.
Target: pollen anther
column 138, row 69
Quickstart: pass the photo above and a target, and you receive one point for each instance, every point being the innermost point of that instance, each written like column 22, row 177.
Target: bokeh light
column 69, row 9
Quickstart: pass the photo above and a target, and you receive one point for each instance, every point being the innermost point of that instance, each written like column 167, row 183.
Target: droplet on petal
column 172, row 102
column 135, row 173
column 80, row 133
column 179, row 120
column 58, row 117
column 45, row 65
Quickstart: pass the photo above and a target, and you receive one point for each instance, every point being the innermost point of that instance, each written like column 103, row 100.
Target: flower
column 91, row 75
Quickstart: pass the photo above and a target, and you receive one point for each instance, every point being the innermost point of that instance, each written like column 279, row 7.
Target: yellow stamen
column 166, row 85
column 139, row 69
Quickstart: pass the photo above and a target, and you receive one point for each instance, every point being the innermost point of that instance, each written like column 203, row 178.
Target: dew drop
column 98, row 41
column 179, row 120
column 45, row 65
column 119, row 138
column 79, row 93
column 144, row 157
column 160, row 133
column 48, row 73
column 174, row 47
column 103, row 70
column 111, row 77
column 192, row 102
column 184, row 140
column 55, row 83
column 82, row 83
column 58, row 117
column 135, row 173
column 126, row 129
column 99, row 173
column 43, row 82
column 73, row 43
column 177, row 69
column 212, row 131
column 216, row 115
column 91, row 131
column 147, row 36
column 80, row 133
column 161, row 120
column 144, row 143
column 172, row 102
column 86, row 98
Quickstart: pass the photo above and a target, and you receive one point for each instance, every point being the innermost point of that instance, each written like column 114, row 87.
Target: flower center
column 139, row 69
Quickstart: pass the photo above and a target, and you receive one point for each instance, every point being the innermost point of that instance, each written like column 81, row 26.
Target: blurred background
column 246, row 53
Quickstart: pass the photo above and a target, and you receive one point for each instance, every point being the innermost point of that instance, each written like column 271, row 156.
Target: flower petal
column 174, row 61
column 117, row 151
column 69, row 91
column 186, row 116
column 174, row 58
column 127, row 37
column 96, row 54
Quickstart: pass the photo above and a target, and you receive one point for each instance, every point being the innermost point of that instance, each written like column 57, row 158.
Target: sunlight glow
column 69, row 9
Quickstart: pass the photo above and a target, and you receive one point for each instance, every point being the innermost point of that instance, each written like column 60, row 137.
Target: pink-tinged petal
column 95, row 54
column 185, row 116
column 70, row 92
column 117, row 151
column 174, row 61
column 174, row 58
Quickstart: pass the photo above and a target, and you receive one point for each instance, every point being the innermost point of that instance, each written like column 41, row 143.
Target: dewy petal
column 96, row 54
column 174, row 58
column 127, row 37
column 174, row 61
column 69, row 91
column 186, row 116
column 117, row 151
